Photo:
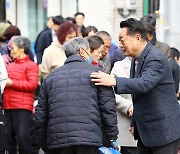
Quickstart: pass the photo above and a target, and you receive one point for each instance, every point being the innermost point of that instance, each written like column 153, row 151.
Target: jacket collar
column 140, row 60
column 145, row 51
column 74, row 58
column 21, row 60
column 142, row 57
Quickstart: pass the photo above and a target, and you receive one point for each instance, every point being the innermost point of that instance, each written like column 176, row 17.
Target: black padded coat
column 72, row 110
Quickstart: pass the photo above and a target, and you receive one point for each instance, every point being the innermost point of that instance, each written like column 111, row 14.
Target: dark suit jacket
column 175, row 72
column 156, row 110
column 43, row 41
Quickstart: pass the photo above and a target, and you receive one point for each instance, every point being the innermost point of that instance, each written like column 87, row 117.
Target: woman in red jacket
column 18, row 96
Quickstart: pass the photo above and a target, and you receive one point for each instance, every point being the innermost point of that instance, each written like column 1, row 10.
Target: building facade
column 31, row 15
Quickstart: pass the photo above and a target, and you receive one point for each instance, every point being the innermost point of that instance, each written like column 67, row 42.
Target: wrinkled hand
column 131, row 130
column 101, row 78
column 130, row 110
column 114, row 144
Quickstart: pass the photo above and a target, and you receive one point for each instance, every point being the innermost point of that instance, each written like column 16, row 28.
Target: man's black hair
column 134, row 26
column 149, row 23
column 58, row 20
column 70, row 19
column 149, row 19
column 174, row 53
column 79, row 13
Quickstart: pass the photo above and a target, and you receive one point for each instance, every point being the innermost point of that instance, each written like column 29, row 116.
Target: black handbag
column 3, row 130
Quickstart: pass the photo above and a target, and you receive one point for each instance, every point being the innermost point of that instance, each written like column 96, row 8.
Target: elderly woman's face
column 15, row 51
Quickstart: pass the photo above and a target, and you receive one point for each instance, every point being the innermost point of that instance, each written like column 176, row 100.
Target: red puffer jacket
column 24, row 74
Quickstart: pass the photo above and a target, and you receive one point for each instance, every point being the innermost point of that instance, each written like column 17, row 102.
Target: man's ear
column 138, row 38
column 81, row 52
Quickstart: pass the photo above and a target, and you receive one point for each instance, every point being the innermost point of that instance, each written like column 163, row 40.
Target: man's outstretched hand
column 103, row 79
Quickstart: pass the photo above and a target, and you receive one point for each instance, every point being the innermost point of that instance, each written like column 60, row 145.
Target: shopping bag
column 105, row 150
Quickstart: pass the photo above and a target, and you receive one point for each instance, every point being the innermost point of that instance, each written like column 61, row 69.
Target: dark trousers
column 171, row 148
column 18, row 130
column 3, row 152
column 128, row 150
column 35, row 147
column 3, row 132
column 81, row 149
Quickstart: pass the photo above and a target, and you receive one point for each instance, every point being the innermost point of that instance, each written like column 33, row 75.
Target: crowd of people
column 90, row 91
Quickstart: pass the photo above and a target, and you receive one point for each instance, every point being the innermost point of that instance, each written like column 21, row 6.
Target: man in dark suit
column 156, row 110
column 79, row 20
column 45, row 38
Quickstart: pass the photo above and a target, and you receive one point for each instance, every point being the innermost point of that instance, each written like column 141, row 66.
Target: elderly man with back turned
column 156, row 110
column 72, row 111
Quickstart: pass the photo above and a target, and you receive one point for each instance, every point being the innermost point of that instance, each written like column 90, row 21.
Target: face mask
column 90, row 60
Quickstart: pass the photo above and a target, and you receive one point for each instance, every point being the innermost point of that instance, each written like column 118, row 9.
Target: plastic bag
column 105, row 150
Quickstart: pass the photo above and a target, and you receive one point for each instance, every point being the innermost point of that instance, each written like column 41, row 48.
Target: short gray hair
column 72, row 46
column 23, row 42
column 104, row 35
